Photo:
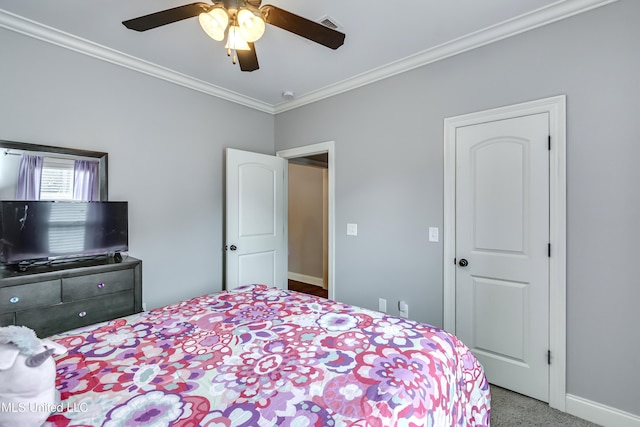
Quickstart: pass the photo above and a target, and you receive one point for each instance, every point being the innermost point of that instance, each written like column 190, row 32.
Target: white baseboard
column 600, row 414
column 317, row 281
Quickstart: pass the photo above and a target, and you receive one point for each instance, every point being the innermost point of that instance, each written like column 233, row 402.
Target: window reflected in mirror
column 37, row 172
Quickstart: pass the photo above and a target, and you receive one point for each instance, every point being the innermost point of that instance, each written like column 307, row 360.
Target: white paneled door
column 501, row 246
column 255, row 219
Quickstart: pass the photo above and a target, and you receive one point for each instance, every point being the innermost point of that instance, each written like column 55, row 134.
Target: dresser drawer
column 70, row 315
column 15, row 298
column 6, row 319
column 93, row 285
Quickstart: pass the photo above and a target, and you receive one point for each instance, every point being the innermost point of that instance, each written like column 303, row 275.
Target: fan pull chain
column 235, row 57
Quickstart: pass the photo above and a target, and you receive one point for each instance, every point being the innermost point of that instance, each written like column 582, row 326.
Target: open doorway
column 307, row 224
column 310, row 218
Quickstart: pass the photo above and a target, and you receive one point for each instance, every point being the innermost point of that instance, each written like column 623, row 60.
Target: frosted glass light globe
column 251, row 26
column 214, row 23
column 235, row 40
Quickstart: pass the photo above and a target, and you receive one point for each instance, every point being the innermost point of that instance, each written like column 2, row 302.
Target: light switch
column 352, row 229
column 433, row 234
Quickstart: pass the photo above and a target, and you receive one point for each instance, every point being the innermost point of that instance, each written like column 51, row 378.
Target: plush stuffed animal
column 28, row 392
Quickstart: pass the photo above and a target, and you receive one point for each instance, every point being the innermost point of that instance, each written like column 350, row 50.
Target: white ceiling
column 382, row 39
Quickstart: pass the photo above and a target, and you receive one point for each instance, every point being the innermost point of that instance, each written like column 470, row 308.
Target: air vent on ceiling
column 328, row 21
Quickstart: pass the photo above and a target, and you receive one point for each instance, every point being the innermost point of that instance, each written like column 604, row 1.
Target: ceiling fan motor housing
column 236, row 5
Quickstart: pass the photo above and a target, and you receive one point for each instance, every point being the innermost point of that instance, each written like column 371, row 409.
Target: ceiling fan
column 242, row 22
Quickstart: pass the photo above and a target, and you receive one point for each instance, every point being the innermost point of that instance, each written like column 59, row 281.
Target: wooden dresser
column 70, row 295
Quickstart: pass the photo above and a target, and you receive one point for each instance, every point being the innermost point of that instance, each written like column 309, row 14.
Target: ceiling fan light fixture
column 235, row 40
column 241, row 22
column 214, row 23
column 251, row 26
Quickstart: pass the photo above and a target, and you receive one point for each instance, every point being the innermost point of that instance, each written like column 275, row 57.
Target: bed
column 261, row 356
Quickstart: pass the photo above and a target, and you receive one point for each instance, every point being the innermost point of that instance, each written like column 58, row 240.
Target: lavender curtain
column 29, row 177
column 85, row 180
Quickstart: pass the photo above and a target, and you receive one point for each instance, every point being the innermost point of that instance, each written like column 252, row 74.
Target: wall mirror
column 11, row 152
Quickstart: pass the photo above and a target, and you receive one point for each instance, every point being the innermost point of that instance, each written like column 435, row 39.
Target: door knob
column 233, row 247
column 463, row 262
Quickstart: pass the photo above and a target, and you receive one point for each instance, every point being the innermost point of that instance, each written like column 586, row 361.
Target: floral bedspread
column 260, row 356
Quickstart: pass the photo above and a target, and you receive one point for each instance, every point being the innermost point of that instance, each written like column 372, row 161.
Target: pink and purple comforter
column 260, row 356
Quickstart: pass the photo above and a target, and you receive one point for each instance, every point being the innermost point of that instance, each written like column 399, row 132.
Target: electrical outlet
column 404, row 309
column 382, row 305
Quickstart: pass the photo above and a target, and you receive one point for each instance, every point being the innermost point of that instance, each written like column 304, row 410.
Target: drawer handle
column 82, row 313
column 14, row 300
column 101, row 285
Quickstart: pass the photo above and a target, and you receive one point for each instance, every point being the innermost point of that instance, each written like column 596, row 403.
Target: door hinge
column 548, row 357
column 549, row 250
column 549, row 142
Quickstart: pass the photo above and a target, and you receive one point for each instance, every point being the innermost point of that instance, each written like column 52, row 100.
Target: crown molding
column 51, row 35
column 557, row 11
column 538, row 18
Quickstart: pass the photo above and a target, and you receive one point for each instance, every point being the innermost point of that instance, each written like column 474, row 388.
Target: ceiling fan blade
column 158, row 19
column 248, row 59
column 302, row 26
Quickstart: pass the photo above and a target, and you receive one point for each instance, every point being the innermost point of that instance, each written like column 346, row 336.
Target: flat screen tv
column 34, row 231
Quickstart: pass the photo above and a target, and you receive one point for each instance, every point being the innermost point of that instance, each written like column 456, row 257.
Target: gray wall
column 165, row 143
column 389, row 180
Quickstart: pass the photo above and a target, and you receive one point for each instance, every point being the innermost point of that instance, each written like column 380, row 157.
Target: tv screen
column 32, row 231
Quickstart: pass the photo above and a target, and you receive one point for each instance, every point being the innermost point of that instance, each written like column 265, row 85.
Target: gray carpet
column 513, row 409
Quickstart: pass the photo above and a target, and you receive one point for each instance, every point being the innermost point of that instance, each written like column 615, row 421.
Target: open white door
column 255, row 219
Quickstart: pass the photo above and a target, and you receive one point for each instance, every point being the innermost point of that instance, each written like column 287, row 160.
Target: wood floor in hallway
column 307, row 288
